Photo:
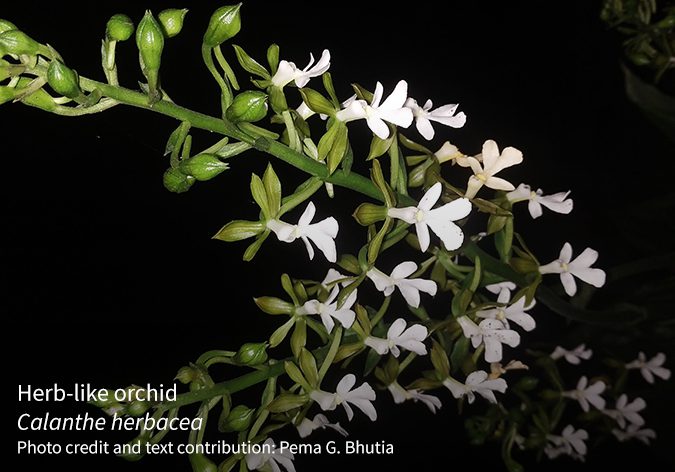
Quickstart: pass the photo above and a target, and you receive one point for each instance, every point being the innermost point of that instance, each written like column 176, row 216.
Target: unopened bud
column 187, row 374
column 274, row 306
column 176, row 181
column 239, row 419
column 367, row 214
column 150, row 42
column 224, row 24
column 137, row 408
column 249, row 106
column 6, row 26
column 63, row 79
column 119, row 28
column 17, row 42
column 239, row 229
column 252, row 354
column 203, row 166
column 172, row 21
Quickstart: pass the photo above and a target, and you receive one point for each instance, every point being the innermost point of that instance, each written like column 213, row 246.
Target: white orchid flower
column 361, row 397
column 624, row 411
column 322, row 234
column 634, row 432
column 493, row 162
column 307, row 426
column 400, row 395
column 392, row 110
column 588, row 394
column 398, row 336
column 571, row 442
column 444, row 115
column 334, row 276
column 476, row 382
column 288, row 72
column 328, row 310
column 449, row 152
column 558, row 202
column 574, row 356
column 491, row 333
column 500, row 287
column 515, row 312
column 579, row 267
column 440, row 219
column 410, row 288
column 650, row 368
column 270, row 460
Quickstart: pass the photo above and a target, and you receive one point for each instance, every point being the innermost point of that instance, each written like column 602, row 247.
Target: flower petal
column 378, row 127
column 510, row 156
column 404, row 270
column 498, row 183
column 568, row 282
column 451, row 234
column 566, row 253
column 308, row 215
column 377, row 95
column 396, row 328
column 397, row 98
column 585, row 259
column 490, row 154
column 534, row 207
column 402, row 117
column 380, row 279
column 325, row 400
column 423, row 235
column 424, row 127
column 595, row 277
column 430, row 197
column 381, row 346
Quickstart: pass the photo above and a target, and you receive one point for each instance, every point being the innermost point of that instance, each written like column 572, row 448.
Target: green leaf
column 273, row 57
column 317, row 102
column 260, row 196
column 272, row 188
column 249, row 64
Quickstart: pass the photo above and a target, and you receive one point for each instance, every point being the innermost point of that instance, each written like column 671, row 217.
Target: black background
column 113, row 280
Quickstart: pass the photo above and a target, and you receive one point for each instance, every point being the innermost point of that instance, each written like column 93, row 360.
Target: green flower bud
column 137, row 408
column 239, row 229
column 239, row 419
column 187, row 374
column 176, row 181
column 274, row 306
column 249, row 106
column 17, row 42
column 63, row 79
column 252, row 354
column 203, row 166
column 172, row 21
column 150, row 42
column 367, row 214
column 224, row 24
column 201, row 463
column 119, row 28
column 6, row 26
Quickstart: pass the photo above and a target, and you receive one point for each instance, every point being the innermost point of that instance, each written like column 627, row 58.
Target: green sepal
column 308, row 367
column 299, row 337
column 296, row 375
column 317, row 102
column 273, row 57
column 277, row 99
column 367, row 214
column 439, row 359
column 280, row 333
column 339, row 149
column 380, row 146
column 260, row 196
column 272, row 189
column 249, row 64
column 274, row 305
column 255, row 246
column 286, row 402
column 238, row 230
